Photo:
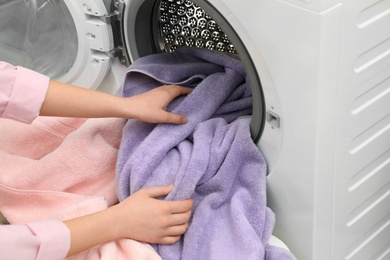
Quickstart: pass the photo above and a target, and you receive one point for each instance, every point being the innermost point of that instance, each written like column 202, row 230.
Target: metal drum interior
column 183, row 23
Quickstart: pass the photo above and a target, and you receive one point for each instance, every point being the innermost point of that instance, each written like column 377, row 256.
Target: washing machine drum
column 165, row 25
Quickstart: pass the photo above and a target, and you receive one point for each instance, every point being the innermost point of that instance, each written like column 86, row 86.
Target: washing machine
column 320, row 78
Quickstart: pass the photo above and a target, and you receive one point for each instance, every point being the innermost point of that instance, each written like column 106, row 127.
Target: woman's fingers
column 174, row 91
column 173, row 234
column 180, row 218
column 169, row 240
column 177, row 90
column 172, row 118
column 177, row 230
column 176, row 206
column 180, row 206
column 158, row 191
column 165, row 221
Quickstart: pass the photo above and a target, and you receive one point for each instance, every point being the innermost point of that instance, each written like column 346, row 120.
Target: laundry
column 63, row 168
column 211, row 159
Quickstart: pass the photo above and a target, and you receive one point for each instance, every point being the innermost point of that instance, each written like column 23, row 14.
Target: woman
column 25, row 94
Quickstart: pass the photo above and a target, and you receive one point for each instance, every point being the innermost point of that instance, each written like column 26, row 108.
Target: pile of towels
column 211, row 159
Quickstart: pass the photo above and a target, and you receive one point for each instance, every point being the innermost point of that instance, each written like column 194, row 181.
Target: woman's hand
column 150, row 106
column 141, row 217
column 144, row 218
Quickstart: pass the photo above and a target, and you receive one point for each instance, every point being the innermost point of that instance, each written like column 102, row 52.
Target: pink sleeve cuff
column 54, row 237
column 49, row 239
column 27, row 95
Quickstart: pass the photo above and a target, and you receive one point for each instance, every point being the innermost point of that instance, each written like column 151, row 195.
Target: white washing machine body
column 320, row 72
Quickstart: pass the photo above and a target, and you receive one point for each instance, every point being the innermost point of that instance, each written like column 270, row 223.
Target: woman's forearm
column 70, row 101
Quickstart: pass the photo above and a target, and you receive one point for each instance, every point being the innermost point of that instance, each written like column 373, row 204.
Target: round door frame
column 140, row 15
column 95, row 42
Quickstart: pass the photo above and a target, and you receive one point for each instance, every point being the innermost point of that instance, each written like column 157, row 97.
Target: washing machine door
column 70, row 41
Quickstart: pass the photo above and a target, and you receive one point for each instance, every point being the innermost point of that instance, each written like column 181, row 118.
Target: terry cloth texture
column 63, row 168
column 211, row 159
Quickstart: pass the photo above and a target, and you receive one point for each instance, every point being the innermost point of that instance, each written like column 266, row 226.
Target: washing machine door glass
column 38, row 34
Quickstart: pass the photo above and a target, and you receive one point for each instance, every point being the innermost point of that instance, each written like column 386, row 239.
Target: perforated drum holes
column 183, row 23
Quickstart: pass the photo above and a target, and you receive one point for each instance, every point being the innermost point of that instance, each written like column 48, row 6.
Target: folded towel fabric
column 211, row 159
column 63, row 168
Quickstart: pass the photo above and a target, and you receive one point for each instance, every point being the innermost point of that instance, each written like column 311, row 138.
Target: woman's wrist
column 93, row 229
column 122, row 107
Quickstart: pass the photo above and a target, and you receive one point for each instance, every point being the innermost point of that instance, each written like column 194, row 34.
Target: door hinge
column 115, row 18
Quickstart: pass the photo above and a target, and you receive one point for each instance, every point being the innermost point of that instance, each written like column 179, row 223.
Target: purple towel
column 211, row 159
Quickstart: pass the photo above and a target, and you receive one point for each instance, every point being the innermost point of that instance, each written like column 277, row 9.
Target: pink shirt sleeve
column 48, row 239
column 22, row 92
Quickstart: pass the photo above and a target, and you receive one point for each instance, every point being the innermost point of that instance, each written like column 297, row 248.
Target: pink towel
column 63, row 168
